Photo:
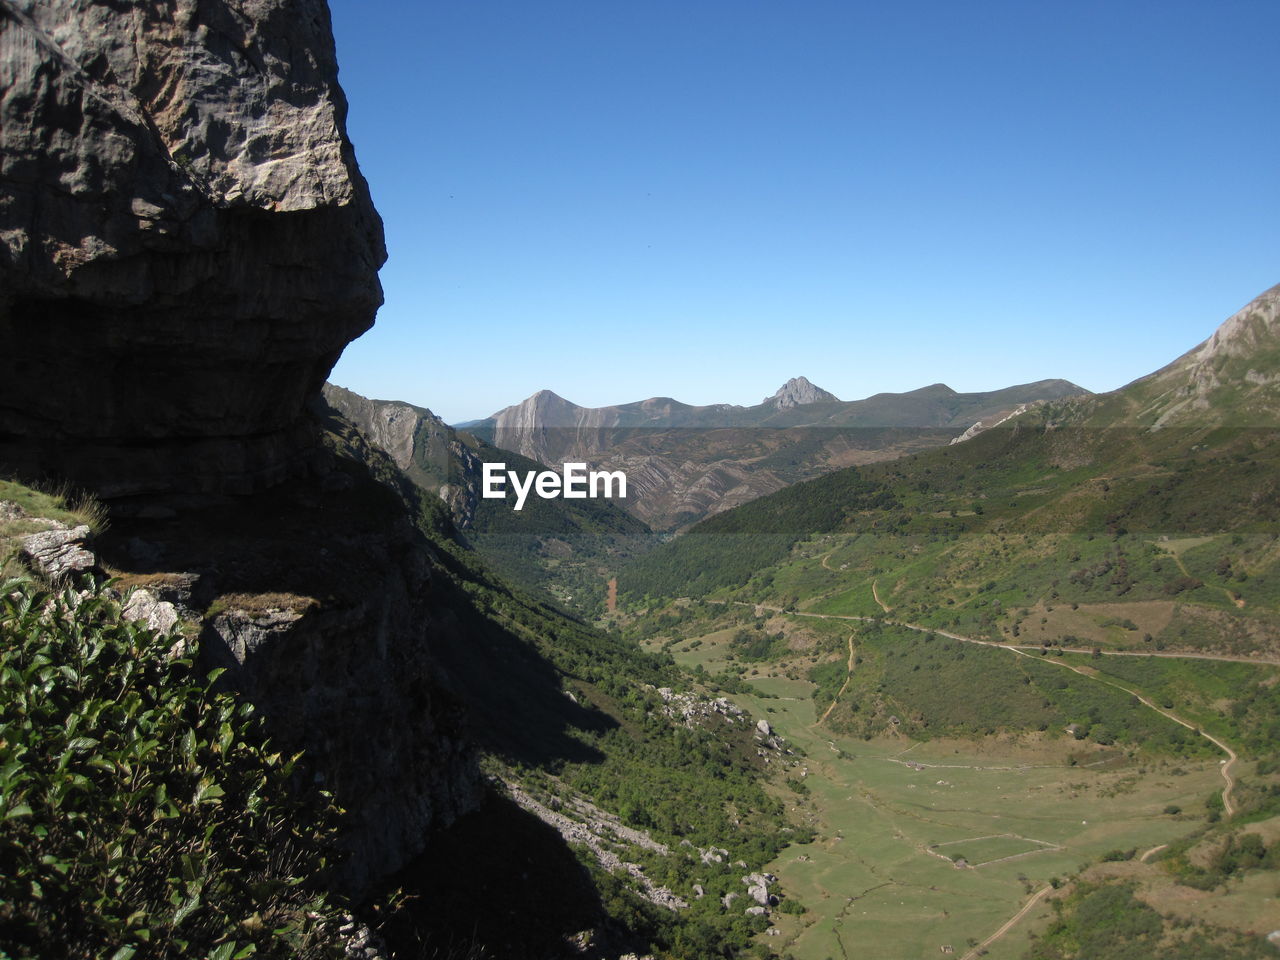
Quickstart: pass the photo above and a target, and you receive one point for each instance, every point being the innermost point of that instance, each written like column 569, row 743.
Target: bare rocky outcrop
column 995, row 420
column 798, row 391
column 582, row 822
column 693, row 710
column 186, row 242
column 1227, row 378
column 59, row 553
column 323, row 603
column 159, row 615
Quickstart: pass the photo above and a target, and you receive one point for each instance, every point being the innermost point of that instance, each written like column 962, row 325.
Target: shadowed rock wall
column 186, row 245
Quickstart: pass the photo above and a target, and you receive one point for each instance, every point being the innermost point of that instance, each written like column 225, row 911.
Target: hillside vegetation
column 569, row 715
column 1099, row 576
column 142, row 812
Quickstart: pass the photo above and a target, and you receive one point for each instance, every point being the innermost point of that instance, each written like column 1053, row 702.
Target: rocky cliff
column 186, row 242
column 187, row 245
column 423, row 446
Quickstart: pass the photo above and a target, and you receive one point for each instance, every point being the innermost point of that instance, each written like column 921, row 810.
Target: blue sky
column 617, row 199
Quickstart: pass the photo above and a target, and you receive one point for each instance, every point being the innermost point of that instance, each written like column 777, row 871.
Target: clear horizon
column 703, row 201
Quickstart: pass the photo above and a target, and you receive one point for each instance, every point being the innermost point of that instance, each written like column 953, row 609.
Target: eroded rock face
column 422, row 445
column 324, row 604
column 186, row 242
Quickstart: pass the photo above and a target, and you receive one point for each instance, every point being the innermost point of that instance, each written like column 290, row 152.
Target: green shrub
column 142, row 812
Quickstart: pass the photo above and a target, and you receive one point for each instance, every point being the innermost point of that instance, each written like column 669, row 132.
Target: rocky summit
column 798, row 391
column 183, row 225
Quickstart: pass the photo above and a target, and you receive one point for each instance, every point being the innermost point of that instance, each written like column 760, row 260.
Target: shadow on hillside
column 513, row 694
column 346, row 558
column 498, row 883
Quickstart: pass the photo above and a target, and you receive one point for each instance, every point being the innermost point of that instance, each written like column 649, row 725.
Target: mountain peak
column 1233, row 377
column 798, row 391
column 546, row 396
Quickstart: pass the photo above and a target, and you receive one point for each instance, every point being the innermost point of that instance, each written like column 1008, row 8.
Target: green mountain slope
column 1096, row 580
column 1232, row 379
column 1155, row 459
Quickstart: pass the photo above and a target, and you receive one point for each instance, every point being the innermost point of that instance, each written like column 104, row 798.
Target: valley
column 894, row 813
column 289, row 671
column 1051, row 651
column 1004, row 679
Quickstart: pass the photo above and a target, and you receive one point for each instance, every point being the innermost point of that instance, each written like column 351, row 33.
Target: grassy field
column 892, row 813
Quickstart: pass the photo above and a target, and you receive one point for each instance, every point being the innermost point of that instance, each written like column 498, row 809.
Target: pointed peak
column 544, row 396
column 797, row 391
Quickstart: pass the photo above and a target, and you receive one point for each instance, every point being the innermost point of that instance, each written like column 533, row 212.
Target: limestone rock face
column 422, row 445
column 159, row 615
column 186, row 242
column 1231, row 378
column 325, row 606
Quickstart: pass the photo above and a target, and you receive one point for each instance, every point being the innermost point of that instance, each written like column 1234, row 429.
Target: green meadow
column 892, row 815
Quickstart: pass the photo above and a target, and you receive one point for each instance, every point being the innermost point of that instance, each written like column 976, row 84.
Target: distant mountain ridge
column 685, row 462
column 797, row 403
column 1189, row 451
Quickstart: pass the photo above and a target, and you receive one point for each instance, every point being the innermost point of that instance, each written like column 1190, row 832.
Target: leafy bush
column 141, row 811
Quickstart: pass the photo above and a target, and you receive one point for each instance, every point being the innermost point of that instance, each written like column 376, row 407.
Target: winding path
column 1228, row 806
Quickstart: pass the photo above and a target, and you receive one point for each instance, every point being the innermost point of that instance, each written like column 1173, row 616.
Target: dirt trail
column 1238, row 601
column 1228, row 807
column 876, row 594
column 1016, row 647
column 1151, row 853
column 844, row 686
column 1008, row 924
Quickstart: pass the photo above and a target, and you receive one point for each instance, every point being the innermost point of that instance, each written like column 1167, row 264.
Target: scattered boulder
column 758, row 888
column 713, row 855
column 755, row 911
column 763, row 728
column 359, row 942
column 160, row 615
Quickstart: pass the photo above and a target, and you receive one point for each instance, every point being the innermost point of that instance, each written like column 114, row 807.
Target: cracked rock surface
column 183, row 225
